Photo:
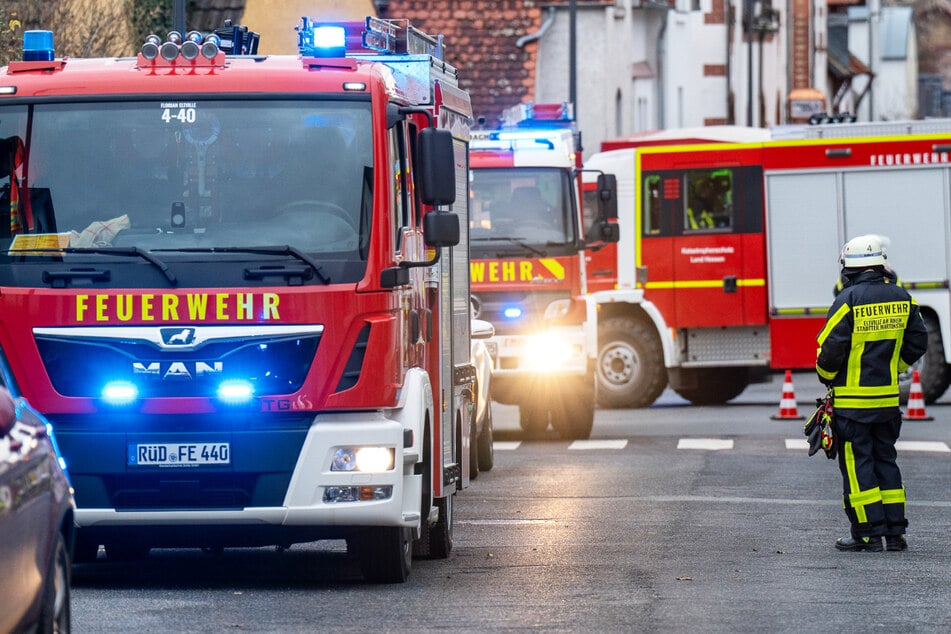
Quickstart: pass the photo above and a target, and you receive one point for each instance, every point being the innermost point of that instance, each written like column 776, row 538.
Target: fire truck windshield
column 193, row 174
column 521, row 205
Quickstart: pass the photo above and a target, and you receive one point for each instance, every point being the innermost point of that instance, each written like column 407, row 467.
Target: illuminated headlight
column 547, row 352
column 119, row 392
column 358, row 494
column 558, row 309
column 363, row 459
column 235, row 391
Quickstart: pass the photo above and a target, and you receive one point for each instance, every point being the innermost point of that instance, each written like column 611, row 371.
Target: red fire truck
column 729, row 252
column 237, row 285
column 527, row 241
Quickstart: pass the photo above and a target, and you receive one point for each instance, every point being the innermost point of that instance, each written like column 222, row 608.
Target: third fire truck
column 528, row 239
column 729, row 252
column 237, row 284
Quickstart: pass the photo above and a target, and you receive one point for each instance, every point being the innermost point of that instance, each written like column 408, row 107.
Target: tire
column 473, row 449
column 385, row 553
column 934, row 372
column 56, row 611
column 486, row 447
column 440, row 533
column 533, row 418
column 573, row 414
column 713, row 386
column 630, row 369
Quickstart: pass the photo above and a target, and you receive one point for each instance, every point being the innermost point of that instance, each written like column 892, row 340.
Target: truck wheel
column 934, row 372
column 630, row 369
column 713, row 386
column 55, row 611
column 385, row 553
column 473, row 448
column 573, row 414
column 533, row 418
column 486, row 447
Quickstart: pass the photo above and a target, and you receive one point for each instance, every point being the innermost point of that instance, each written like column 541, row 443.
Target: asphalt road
column 671, row 519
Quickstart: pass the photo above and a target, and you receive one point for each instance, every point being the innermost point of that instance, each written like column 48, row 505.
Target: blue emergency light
column 512, row 312
column 120, row 392
column 38, row 46
column 321, row 40
column 235, row 391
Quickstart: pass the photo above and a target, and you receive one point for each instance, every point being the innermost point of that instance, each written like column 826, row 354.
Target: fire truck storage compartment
column 901, row 207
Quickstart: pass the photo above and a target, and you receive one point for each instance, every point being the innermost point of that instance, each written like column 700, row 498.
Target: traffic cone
column 787, row 404
column 916, row 400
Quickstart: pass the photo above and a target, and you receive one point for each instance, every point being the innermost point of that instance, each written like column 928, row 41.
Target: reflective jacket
column 873, row 332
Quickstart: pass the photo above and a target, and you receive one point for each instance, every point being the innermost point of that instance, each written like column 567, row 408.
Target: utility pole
column 572, row 43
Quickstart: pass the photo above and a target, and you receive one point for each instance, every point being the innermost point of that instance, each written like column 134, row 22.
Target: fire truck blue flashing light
column 512, row 312
column 120, row 392
column 235, row 391
column 321, row 40
column 37, row 46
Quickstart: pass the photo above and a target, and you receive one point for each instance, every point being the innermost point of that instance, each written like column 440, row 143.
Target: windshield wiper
column 283, row 249
column 516, row 241
column 136, row 251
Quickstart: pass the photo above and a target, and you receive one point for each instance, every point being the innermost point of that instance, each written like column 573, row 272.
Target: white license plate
column 179, row 454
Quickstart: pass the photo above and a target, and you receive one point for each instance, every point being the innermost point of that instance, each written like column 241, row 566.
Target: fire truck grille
column 80, row 367
column 513, row 313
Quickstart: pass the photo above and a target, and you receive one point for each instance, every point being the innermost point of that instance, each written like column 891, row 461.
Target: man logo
column 178, row 336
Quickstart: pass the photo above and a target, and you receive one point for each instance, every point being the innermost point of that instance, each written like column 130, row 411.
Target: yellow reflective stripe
column 893, row 496
column 864, row 498
column 853, row 480
column 825, row 374
column 808, row 310
column 669, row 284
column 870, row 390
column 832, row 322
column 554, row 267
column 866, row 403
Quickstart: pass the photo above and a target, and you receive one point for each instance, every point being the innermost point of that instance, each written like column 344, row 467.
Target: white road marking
column 704, row 443
column 797, row 443
column 598, row 444
column 506, row 445
column 922, row 445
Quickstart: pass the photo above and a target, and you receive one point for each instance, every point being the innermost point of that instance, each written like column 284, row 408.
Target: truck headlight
column 547, row 352
column 363, row 459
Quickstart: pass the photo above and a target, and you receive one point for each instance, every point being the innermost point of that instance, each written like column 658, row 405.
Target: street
column 672, row 518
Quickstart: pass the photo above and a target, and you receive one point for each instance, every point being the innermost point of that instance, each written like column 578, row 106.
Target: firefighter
column 873, row 331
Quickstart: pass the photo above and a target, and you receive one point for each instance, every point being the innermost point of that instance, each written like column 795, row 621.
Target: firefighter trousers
column 872, row 491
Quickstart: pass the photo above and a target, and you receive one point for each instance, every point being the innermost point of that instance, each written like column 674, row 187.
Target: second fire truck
column 527, row 242
column 237, row 284
column 729, row 252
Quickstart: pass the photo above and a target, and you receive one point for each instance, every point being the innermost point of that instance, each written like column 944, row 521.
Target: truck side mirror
column 441, row 229
column 435, row 167
column 607, row 196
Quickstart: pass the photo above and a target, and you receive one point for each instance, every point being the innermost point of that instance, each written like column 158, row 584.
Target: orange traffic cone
column 787, row 404
column 916, row 400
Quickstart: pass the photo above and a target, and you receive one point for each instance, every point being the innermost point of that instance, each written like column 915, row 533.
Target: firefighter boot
column 856, row 544
column 895, row 542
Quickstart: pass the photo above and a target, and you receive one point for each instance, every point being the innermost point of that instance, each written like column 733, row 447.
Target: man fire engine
column 238, row 287
column 528, row 239
column 711, row 307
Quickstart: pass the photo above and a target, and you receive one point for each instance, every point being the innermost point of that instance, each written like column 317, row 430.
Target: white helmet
column 863, row 252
